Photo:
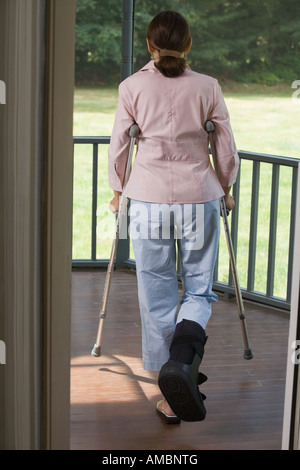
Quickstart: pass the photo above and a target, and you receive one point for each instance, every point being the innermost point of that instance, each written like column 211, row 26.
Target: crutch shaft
column 110, row 267
column 241, row 311
column 232, row 259
column 247, row 351
column 96, row 351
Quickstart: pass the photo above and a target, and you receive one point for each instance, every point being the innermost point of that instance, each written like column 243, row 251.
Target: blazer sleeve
column 119, row 143
column 227, row 155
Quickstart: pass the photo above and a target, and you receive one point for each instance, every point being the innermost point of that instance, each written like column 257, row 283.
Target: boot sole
column 181, row 391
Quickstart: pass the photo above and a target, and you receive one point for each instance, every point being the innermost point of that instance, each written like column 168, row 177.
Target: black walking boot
column 179, row 378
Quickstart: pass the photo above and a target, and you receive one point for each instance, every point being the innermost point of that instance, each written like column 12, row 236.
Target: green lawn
column 264, row 120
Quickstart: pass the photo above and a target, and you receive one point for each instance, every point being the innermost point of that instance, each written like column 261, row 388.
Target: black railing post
column 127, row 39
column 94, row 203
column 273, row 230
column 123, row 249
column 253, row 226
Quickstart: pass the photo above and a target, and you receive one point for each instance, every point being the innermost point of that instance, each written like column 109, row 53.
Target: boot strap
column 193, row 341
column 188, row 339
column 201, row 378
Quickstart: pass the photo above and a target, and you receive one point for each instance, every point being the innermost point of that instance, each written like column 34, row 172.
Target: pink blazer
column 172, row 163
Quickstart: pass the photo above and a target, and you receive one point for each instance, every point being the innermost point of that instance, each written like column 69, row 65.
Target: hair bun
column 171, row 66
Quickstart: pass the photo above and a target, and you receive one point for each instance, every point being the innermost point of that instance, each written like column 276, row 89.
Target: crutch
column 247, row 351
column 133, row 133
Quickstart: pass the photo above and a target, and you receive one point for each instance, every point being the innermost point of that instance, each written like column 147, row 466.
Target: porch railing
column 252, row 163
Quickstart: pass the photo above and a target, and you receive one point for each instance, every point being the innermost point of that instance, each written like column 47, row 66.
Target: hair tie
column 166, row 52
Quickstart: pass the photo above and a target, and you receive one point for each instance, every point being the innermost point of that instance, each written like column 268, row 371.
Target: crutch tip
column 248, row 354
column 96, row 351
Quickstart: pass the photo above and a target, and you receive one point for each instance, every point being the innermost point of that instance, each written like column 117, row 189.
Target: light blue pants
column 155, row 231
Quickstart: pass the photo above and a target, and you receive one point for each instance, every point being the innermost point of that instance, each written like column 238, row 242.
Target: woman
column 174, row 195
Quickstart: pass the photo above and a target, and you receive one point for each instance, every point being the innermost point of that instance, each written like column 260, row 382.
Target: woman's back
column 171, row 109
column 173, row 145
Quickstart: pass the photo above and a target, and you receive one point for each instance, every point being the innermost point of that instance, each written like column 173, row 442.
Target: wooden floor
column 113, row 398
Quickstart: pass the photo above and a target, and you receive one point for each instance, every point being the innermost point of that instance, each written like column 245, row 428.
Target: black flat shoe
column 166, row 418
column 179, row 384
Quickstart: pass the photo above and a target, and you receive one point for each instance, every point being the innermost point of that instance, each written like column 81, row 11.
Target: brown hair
column 169, row 30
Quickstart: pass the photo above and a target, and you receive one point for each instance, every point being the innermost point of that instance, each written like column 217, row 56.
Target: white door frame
column 37, row 48
column 60, row 62
column 291, row 421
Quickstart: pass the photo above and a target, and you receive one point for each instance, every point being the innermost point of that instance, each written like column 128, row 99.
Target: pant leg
column 155, row 257
column 198, row 261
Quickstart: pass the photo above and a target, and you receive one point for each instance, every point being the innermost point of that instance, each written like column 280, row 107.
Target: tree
column 98, row 40
column 257, row 40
